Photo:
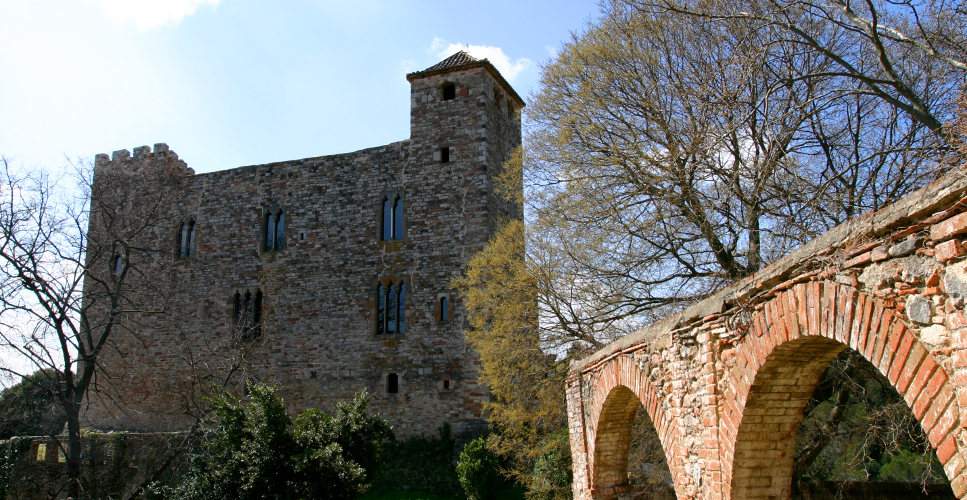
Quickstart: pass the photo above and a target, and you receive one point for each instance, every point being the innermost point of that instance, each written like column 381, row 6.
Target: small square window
column 449, row 91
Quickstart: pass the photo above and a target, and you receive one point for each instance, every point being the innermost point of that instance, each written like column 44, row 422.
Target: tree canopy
column 677, row 146
column 30, row 407
column 670, row 153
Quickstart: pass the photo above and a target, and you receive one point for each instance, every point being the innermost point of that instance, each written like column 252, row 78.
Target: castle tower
column 463, row 110
column 325, row 275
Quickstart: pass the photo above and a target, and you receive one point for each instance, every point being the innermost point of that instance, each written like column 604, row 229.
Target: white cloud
column 410, row 65
column 507, row 67
column 151, row 13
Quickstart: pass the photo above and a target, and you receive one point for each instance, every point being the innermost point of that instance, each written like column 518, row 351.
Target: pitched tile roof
column 461, row 60
column 458, row 59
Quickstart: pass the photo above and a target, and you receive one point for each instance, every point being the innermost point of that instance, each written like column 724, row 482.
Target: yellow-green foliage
column 527, row 383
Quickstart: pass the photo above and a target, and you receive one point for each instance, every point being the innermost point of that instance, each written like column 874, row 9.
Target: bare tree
column 670, row 155
column 69, row 276
column 905, row 52
column 672, row 151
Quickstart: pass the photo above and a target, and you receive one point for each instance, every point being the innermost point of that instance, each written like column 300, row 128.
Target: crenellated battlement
column 144, row 160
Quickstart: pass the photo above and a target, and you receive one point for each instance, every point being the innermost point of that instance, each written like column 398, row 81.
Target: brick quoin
column 727, row 399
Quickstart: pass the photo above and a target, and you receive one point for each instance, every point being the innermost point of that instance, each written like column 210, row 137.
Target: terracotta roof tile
column 458, row 59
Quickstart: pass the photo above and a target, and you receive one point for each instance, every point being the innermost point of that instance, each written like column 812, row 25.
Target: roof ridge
column 459, row 58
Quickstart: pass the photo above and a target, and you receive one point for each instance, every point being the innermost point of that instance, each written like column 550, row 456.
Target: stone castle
column 325, row 275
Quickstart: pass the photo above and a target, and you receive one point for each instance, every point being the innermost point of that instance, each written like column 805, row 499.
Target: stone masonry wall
column 725, row 381
column 318, row 334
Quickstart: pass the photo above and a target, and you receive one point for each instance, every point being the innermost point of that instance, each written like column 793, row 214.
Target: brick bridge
column 725, row 381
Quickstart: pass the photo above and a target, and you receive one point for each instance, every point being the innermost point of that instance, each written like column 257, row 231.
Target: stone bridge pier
column 725, row 381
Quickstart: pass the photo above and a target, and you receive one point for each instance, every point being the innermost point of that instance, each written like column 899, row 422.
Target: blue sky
column 227, row 83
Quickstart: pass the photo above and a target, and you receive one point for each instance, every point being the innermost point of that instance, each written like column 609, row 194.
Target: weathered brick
column 948, row 228
column 947, row 449
column 948, row 250
column 729, row 419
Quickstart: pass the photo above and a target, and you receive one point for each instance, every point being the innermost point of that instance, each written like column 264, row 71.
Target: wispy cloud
column 508, row 68
column 148, row 14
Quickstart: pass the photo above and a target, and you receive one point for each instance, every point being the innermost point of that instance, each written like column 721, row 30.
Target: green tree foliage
column 30, row 408
column 479, row 471
column 675, row 147
column 255, row 451
column 858, row 428
column 551, row 479
column 524, row 376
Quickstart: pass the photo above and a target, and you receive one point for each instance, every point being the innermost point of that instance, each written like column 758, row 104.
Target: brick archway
column 619, row 391
column 726, row 379
column 789, row 344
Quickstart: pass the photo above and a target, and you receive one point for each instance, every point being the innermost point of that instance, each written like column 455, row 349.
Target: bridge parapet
column 725, row 381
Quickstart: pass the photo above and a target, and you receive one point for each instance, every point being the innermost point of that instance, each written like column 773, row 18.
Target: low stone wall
column 114, row 465
column 118, row 465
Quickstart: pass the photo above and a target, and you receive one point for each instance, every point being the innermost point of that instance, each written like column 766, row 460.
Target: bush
column 255, row 450
column 479, row 471
column 11, row 451
column 420, row 464
column 551, row 479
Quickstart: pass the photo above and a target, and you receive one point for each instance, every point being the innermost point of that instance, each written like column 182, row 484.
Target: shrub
column 551, row 479
column 11, row 451
column 255, row 450
column 478, row 471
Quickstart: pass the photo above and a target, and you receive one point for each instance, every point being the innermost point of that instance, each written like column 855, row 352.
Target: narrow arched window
column 274, row 230
column 186, row 239
column 183, row 241
column 237, row 308
column 392, row 383
column 401, row 310
column 247, row 314
column 117, row 265
column 398, row 218
column 387, row 229
column 247, row 307
column 269, row 232
column 444, row 309
column 391, row 308
column 392, row 299
column 256, row 330
column 280, row 230
column 380, row 309
column 391, row 219
column 189, row 250
column 449, row 91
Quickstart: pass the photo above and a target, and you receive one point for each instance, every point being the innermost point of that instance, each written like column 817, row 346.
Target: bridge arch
column 619, row 390
column 779, row 361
